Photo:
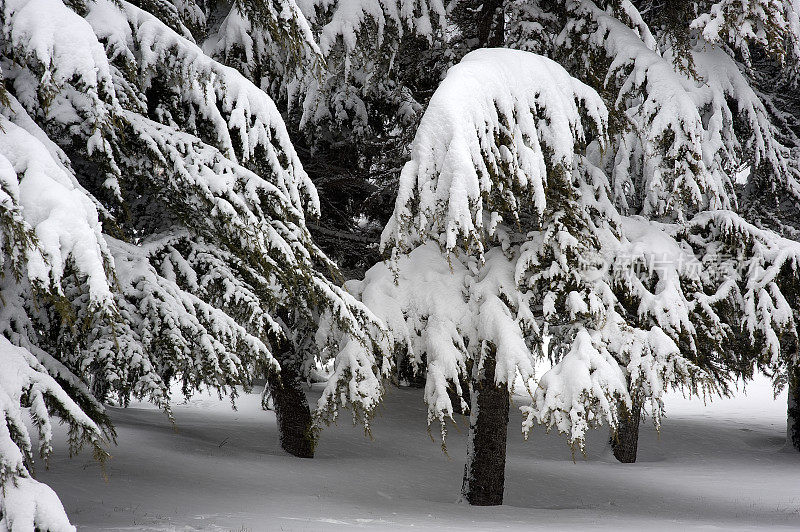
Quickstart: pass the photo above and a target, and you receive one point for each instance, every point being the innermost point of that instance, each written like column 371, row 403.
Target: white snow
column 718, row 466
column 60, row 214
column 24, row 502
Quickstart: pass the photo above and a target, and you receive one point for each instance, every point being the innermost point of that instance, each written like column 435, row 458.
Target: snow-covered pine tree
column 506, row 245
column 353, row 117
column 515, row 178
column 183, row 254
column 688, row 123
column 767, row 41
column 504, row 214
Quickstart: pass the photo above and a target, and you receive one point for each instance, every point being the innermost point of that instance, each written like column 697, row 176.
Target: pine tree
column 690, row 129
column 184, row 255
column 507, row 209
column 491, row 172
column 772, row 67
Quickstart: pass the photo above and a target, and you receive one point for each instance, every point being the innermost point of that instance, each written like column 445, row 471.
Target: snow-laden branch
column 496, row 126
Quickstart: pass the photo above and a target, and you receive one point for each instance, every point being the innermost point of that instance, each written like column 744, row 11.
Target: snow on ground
column 717, row 467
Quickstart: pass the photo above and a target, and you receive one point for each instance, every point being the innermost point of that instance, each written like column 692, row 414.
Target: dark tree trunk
column 793, row 410
column 626, row 441
column 481, row 22
column 406, row 376
column 295, row 424
column 491, row 23
column 484, row 474
column 456, row 398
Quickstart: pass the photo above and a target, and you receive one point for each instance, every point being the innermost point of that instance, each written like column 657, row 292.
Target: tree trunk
column 626, row 441
column 484, row 474
column 455, row 397
column 491, row 24
column 481, row 22
column 295, row 424
column 793, row 410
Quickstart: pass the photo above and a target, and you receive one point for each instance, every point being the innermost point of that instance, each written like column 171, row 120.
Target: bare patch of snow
column 715, row 466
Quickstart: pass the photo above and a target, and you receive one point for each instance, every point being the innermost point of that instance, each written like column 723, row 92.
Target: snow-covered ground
column 717, row 466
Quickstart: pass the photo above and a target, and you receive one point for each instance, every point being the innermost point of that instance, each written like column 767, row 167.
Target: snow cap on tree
column 495, row 128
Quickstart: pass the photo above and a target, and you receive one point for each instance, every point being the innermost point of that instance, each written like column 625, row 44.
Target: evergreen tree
column 690, row 129
column 506, row 212
column 179, row 251
column 491, row 173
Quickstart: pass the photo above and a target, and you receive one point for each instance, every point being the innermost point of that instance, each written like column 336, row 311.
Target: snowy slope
column 719, row 466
